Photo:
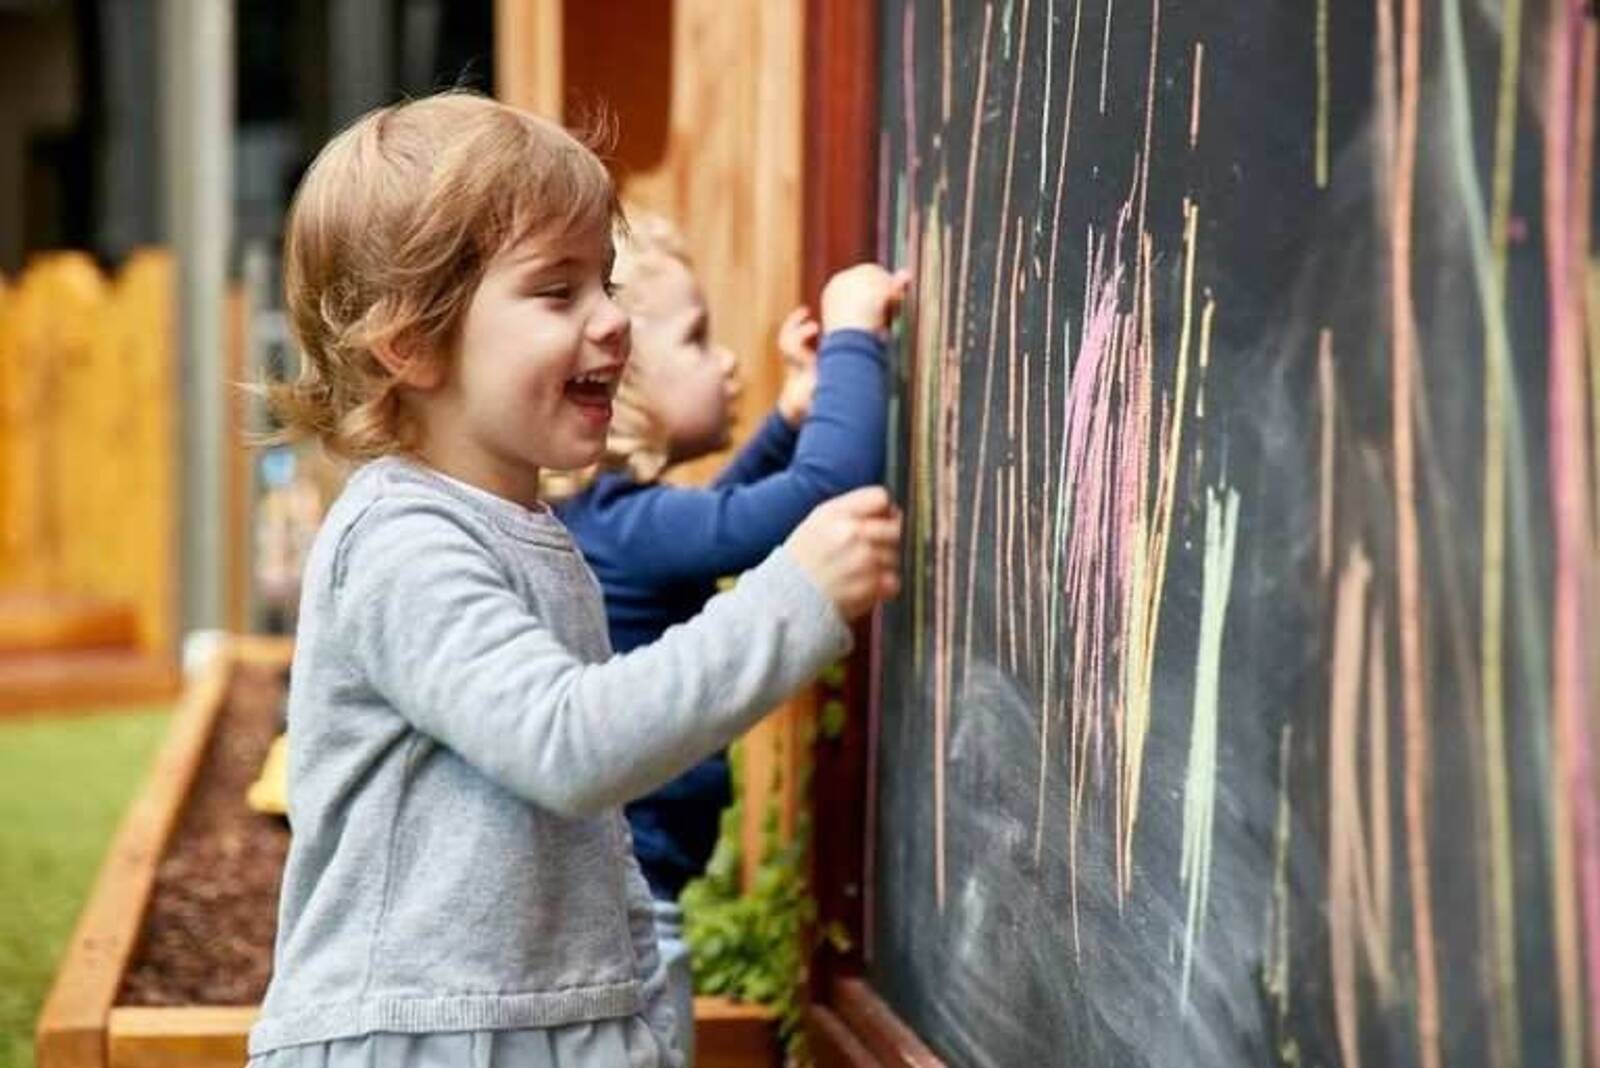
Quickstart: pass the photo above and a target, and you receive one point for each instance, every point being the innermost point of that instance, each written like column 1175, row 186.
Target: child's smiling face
column 538, row 357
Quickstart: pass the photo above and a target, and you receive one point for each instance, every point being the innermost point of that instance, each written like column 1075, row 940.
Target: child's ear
column 410, row 362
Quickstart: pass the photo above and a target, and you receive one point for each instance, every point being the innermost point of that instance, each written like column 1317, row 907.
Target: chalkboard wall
column 1243, row 702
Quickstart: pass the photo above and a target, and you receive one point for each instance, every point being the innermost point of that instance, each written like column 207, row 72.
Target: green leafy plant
column 752, row 946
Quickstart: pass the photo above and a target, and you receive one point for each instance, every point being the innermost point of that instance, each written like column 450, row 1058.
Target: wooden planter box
column 83, row 1026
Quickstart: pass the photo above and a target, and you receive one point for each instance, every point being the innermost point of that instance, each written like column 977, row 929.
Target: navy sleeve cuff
column 863, row 341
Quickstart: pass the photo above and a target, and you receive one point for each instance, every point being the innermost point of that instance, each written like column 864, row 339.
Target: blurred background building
column 81, row 120
column 148, row 153
column 180, row 126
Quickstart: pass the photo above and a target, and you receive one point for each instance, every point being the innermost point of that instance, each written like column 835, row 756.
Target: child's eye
column 561, row 292
column 613, row 289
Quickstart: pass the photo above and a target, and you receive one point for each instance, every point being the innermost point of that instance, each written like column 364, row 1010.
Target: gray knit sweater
column 460, row 739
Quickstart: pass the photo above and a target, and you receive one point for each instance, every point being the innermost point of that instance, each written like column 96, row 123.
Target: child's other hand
column 797, row 342
column 863, row 297
column 850, row 547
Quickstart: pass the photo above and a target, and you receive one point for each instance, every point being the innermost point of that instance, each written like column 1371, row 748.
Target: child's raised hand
column 850, row 547
column 797, row 342
column 863, row 297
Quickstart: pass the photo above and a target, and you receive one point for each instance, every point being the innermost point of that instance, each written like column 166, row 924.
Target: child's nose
column 610, row 326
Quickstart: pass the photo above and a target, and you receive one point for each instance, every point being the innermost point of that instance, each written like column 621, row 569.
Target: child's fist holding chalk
column 863, row 297
column 850, row 547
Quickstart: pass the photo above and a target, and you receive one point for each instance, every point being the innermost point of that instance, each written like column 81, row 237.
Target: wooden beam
column 833, row 1045
column 71, row 1029
column 876, row 1026
column 41, row 623
column 186, row 1037
column 85, row 680
column 730, row 1035
column 727, row 1035
column 527, row 56
column 263, row 650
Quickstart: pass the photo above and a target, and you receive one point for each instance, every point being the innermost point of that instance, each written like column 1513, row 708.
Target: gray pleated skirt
column 619, row 1043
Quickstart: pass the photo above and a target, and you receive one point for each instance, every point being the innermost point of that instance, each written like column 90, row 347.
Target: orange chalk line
column 1413, row 691
column 1567, row 173
column 1379, row 924
column 1345, row 849
column 978, row 479
column 959, row 344
column 1146, row 599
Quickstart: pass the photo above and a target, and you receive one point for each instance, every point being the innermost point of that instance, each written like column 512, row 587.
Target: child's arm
column 445, row 639
column 672, row 534
column 769, row 450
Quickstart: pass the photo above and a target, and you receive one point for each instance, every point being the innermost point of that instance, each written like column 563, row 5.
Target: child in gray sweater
column 461, row 889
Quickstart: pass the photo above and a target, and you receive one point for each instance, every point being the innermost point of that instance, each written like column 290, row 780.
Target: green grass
column 63, row 786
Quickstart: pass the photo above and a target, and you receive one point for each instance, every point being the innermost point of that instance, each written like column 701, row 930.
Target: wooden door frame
column 849, row 1025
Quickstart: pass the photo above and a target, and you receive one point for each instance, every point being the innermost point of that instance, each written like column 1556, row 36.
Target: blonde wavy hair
column 390, row 234
column 636, row 444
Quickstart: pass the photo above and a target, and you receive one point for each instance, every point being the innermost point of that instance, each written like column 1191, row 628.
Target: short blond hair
column 636, row 442
column 390, row 234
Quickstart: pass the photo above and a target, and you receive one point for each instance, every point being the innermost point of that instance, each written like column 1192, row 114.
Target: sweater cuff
column 819, row 624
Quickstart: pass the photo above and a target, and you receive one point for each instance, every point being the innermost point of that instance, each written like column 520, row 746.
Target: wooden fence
column 88, row 495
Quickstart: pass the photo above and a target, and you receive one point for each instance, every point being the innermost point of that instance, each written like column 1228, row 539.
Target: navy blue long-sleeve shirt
column 659, row 550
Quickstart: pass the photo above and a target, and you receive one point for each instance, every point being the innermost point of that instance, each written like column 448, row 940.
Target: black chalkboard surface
column 1243, row 703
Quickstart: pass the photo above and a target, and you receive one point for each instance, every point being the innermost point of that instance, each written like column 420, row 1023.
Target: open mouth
column 593, row 387
column 592, row 391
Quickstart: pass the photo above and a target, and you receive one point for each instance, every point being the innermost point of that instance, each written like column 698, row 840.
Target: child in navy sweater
column 659, row 549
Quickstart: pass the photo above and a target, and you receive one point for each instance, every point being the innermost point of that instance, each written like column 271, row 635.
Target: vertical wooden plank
column 147, row 346
column 777, row 752
column 24, row 413
column 236, row 406
column 841, row 80
column 72, row 425
column 527, row 55
column 81, row 427
column 841, row 109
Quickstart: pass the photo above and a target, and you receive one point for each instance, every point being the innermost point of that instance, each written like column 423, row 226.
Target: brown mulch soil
column 207, row 937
